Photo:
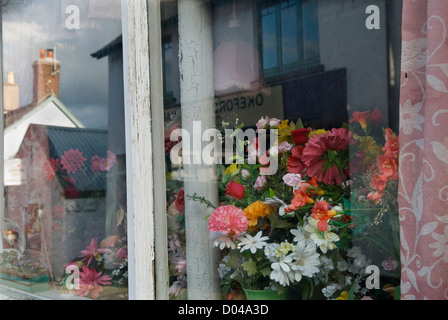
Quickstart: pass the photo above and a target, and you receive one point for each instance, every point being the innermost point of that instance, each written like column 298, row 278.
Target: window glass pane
column 281, row 174
column 310, row 29
column 269, row 34
column 290, row 37
column 64, row 227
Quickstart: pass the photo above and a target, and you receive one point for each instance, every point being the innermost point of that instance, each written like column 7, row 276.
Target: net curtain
column 423, row 189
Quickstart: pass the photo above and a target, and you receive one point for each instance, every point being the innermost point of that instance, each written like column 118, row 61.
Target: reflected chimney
column 10, row 94
column 46, row 76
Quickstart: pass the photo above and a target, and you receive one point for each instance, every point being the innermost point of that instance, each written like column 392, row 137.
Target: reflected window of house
column 289, row 35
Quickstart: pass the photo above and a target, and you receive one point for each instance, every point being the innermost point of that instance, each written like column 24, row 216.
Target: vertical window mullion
column 278, row 18
column 300, row 36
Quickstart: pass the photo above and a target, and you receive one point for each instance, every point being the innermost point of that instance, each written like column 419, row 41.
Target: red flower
column 361, row 118
column 180, row 200
column 321, row 213
column 235, row 190
column 377, row 117
column 295, row 163
column 300, row 136
column 91, row 282
column 72, row 160
column 318, row 146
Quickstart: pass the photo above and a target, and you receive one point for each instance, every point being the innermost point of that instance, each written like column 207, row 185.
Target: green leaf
column 278, row 223
column 266, row 272
column 299, row 124
column 271, row 193
column 347, row 203
column 250, row 267
column 351, row 293
column 397, row 293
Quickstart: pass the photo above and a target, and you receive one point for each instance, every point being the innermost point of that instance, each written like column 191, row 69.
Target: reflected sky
column 31, row 25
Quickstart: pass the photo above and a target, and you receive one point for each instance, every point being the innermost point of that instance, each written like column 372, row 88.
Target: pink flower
column 245, row 174
column 95, row 164
column 292, row 180
column 92, row 251
column 389, row 264
column 274, row 122
column 91, row 282
column 107, row 163
column 122, row 254
column 284, row 146
column 260, row 182
column 50, row 167
column 228, row 220
column 263, row 123
column 72, row 160
column 318, row 146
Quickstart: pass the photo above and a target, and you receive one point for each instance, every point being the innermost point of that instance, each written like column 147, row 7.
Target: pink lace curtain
column 423, row 193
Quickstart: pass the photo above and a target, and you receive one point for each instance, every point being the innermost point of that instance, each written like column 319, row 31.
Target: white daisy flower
column 253, row 243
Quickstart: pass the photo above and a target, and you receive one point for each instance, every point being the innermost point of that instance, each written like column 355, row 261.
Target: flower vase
column 265, row 294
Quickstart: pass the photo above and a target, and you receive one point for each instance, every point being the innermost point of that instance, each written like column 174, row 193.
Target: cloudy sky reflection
column 31, row 25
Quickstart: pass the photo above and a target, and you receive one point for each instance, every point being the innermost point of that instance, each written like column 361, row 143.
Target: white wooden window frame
column 146, row 190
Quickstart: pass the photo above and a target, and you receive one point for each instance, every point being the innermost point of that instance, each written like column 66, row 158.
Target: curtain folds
column 423, row 190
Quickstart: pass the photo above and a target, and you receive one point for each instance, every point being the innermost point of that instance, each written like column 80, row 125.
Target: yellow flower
column 232, row 169
column 257, row 210
column 371, row 149
column 319, row 131
column 284, row 130
column 343, row 296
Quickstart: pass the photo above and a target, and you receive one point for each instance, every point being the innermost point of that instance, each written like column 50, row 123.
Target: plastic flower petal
column 253, row 243
column 228, row 220
column 92, row 251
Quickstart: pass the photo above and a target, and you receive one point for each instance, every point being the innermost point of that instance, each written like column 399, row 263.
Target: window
column 64, row 226
column 289, row 35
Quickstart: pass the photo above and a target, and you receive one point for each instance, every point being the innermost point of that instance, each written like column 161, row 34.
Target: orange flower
column 379, row 182
column 257, row 210
column 300, row 199
column 361, row 118
column 388, row 166
column 375, row 196
column 321, row 213
column 392, row 145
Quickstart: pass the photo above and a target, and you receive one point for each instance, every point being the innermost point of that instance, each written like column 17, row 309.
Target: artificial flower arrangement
column 100, row 266
column 80, row 177
column 311, row 229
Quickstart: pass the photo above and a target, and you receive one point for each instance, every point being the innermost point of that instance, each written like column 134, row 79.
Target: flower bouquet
column 315, row 226
column 98, row 267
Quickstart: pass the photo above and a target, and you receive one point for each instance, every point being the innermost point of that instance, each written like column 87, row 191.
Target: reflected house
column 45, row 109
column 65, row 173
column 55, row 206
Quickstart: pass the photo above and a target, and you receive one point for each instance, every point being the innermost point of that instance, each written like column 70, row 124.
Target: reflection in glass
column 65, row 216
column 317, row 226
